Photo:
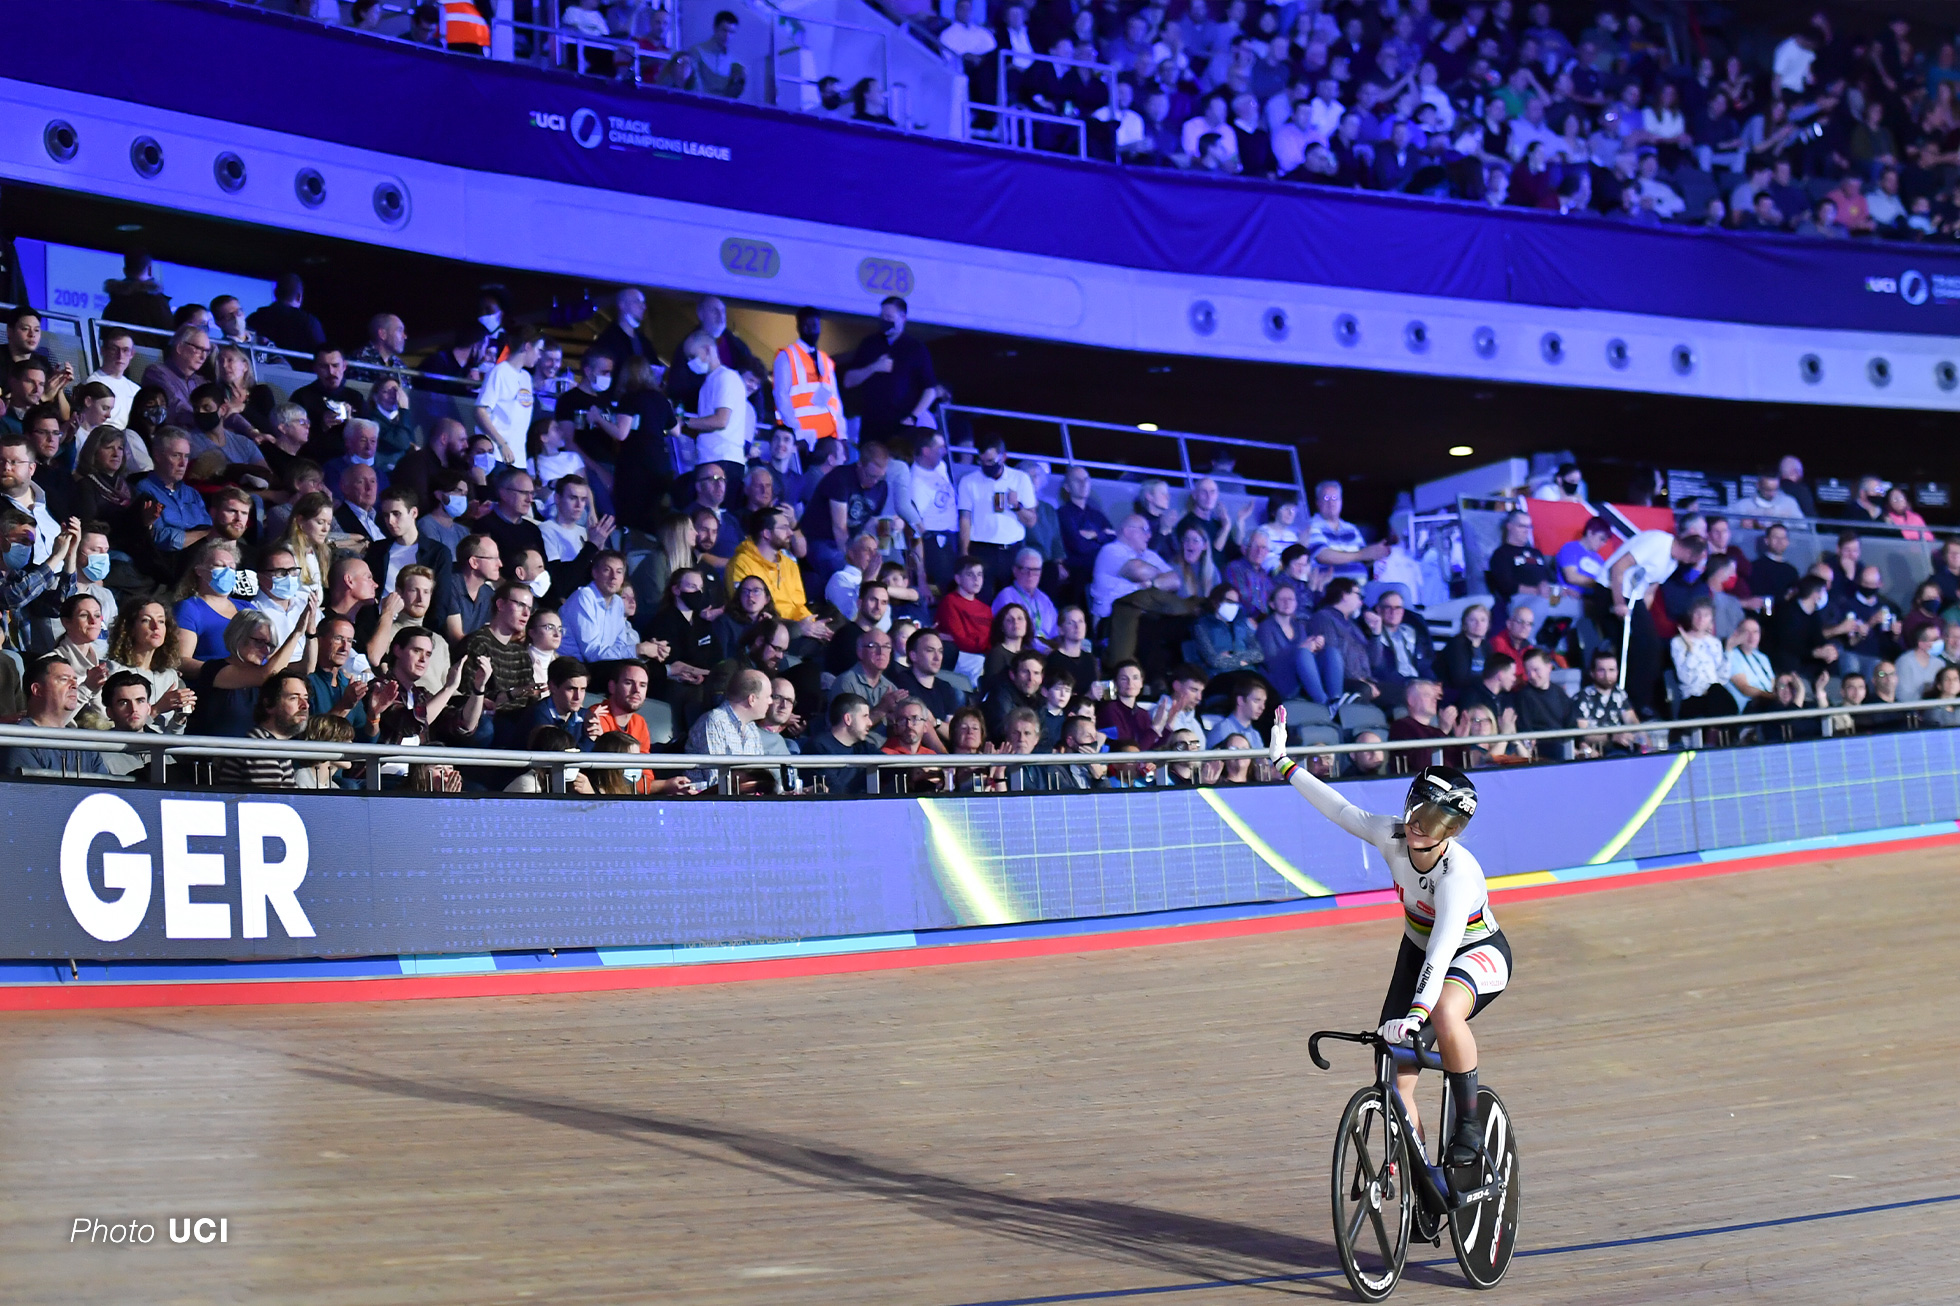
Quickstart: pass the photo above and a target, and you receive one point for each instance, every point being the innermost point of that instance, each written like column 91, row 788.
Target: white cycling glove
column 1403, row 1031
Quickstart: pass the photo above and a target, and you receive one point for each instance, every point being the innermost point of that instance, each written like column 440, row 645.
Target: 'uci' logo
column 587, row 130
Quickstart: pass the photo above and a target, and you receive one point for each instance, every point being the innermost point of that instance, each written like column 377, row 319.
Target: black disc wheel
column 1372, row 1200
column 1486, row 1233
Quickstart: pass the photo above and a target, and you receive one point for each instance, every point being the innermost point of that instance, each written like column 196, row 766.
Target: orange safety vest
column 463, row 24
column 813, row 392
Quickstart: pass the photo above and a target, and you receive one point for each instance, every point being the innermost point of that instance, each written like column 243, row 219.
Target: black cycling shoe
column 1467, row 1148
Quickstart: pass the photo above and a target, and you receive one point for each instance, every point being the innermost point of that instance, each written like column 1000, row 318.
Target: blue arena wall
column 294, row 78
column 415, row 884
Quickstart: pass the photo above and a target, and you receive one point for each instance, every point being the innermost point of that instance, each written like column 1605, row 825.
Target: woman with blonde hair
column 675, row 537
column 307, row 536
column 205, row 604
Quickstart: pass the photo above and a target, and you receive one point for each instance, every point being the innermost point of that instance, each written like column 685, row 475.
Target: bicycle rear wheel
column 1486, row 1233
column 1372, row 1200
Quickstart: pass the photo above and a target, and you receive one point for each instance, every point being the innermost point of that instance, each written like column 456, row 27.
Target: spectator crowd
column 1616, row 110
column 710, row 554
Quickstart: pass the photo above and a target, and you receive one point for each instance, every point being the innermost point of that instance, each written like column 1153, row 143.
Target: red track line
column 209, row 993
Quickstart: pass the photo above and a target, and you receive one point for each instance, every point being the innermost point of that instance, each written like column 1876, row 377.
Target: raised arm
column 1369, row 827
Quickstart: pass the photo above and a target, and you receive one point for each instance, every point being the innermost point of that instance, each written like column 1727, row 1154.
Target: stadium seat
column 1303, row 735
column 1306, row 712
column 1356, row 717
column 660, row 720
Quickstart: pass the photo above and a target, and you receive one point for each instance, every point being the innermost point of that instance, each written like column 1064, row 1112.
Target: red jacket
column 969, row 623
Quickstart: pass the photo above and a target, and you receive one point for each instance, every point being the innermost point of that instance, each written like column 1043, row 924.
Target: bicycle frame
column 1438, row 1198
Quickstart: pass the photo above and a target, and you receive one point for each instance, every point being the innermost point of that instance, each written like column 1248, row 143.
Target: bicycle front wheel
column 1373, row 1203
column 1486, row 1233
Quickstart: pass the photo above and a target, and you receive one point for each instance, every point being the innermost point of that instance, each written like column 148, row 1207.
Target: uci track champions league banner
column 134, row 873
column 511, row 120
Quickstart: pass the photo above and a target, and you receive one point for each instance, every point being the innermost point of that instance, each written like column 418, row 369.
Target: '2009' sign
column 885, row 276
column 263, row 881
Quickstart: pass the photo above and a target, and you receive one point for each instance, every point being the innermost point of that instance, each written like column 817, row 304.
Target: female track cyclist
column 1454, row 960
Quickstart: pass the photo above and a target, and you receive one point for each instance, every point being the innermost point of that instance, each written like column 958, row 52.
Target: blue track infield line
column 1263, row 1280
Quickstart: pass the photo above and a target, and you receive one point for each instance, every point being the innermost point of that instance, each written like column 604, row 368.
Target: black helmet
column 1441, row 802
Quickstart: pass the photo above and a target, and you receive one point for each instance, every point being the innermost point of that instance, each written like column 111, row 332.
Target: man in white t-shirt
column 996, row 507
column 723, row 423
column 118, row 351
column 1635, row 571
column 505, row 405
column 1130, row 580
column 937, row 507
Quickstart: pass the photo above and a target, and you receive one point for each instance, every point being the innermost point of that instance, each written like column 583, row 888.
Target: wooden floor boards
column 1754, row 1047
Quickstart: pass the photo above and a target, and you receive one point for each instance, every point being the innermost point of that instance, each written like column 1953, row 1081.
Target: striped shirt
column 254, row 772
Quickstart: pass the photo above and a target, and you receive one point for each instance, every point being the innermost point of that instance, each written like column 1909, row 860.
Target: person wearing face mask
column 808, row 400
column 1225, row 635
column 204, row 604
column 492, row 310
column 361, row 438
column 447, row 521
column 597, row 428
column 723, row 422
column 1566, row 486
column 425, row 471
column 686, row 623
column 623, row 340
column 209, row 405
column 889, row 376
column 684, row 383
column 403, row 544
column 284, row 322
column 90, row 563
column 533, row 571
column 505, row 405
column 281, row 595
column 996, row 508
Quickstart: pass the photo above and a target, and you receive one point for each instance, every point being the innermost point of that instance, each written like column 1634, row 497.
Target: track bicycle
column 1386, row 1187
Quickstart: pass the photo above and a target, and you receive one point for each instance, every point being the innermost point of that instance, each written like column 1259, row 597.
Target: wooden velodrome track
column 1752, row 1049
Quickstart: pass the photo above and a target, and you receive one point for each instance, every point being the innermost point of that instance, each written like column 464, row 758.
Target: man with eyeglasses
column 867, row 679
column 1025, row 589
column 118, row 350
column 711, row 492
column 281, row 597
column 177, row 372
column 510, row 523
column 1400, row 652
column 468, row 597
column 513, row 684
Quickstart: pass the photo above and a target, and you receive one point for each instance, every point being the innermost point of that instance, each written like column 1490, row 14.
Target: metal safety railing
column 640, row 58
column 1017, row 126
column 159, row 749
column 1066, row 429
